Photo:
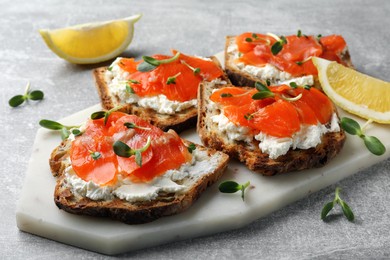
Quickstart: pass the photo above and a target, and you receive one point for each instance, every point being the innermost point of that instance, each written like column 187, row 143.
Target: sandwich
column 161, row 89
column 272, row 129
column 124, row 168
column 252, row 57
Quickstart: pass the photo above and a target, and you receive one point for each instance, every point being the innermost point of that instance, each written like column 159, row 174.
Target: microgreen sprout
column 129, row 89
column 233, row 187
column 191, row 147
column 196, row 71
column 278, row 45
column 133, row 81
column 104, row 114
column 263, row 91
column 226, row 95
column 172, row 80
column 151, row 63
column 299, row 33
column 95, row 155
column 337, row 200
column 28, row 95
column 373, row 144
column 65, row 130
column 123, row 150
column 132, row 126
column 255, row 39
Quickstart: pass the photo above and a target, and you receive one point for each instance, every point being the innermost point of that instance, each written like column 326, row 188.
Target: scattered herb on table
column 65, row 130
column 233, row 187
column 28, row 95
column 373, row 144
column 337, row 200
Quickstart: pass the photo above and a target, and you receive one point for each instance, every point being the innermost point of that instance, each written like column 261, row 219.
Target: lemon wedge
column 93, row 42
column 355, row 92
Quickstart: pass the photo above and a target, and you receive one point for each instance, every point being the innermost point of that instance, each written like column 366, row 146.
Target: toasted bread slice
column 179, row 121
column 137, row 212
column 250, row 153
column 238, row 77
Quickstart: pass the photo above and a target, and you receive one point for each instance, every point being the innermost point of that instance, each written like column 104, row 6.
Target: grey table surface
column 194, row 27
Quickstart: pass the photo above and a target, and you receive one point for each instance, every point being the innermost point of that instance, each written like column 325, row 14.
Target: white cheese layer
column 307, row 137
column 172, row 181
column 268, row 72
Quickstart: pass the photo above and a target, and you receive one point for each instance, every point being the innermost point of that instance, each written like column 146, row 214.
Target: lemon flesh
column 93, row 42
column 355, row 92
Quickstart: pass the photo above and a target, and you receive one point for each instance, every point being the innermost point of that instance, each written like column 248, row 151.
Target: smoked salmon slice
column 185, row 85
column 294, row 57
column 280, row 115
column 93, row 157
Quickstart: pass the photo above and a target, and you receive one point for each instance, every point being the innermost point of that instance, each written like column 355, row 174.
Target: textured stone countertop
column 195, row 27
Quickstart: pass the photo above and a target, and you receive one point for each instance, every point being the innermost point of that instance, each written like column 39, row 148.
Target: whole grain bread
column 165, row 204
column 243, row 78
column 179, row 121
column 251, row 155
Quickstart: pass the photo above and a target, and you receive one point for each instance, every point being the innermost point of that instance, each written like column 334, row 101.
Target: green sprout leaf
column 261, row 87
column 35, row 95
column 172, row 80
column 293, row 84
column 262, row 95
column 351, row 126
column 98, row 115
column 299, row 33
column 373, row 144
column 196, row 71
column 104, row 114
column 123, row 150
column 327, row 208
column 132, row 126
column 337, row 200
column 133, row 81
column 16, row 100
column 28, row 95
column 52, row 125
column 248, row 39
column 191, row 147
column 64, row 130
column 129, row 89
column 229, row 187
column 233, row 187
column 151, row 63
column 276, row 48
column 347, row 210
column 95, row 155
column 225, row 95
column 145, row 67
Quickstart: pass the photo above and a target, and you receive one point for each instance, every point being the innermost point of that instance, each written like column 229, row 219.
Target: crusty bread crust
column 127, row 212
column 179, row 121
column 241, row 78
column 255, row 159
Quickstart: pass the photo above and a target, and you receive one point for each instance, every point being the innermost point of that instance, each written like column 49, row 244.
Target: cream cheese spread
column 172, row 181
column 307, row 137
column 269, row 72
